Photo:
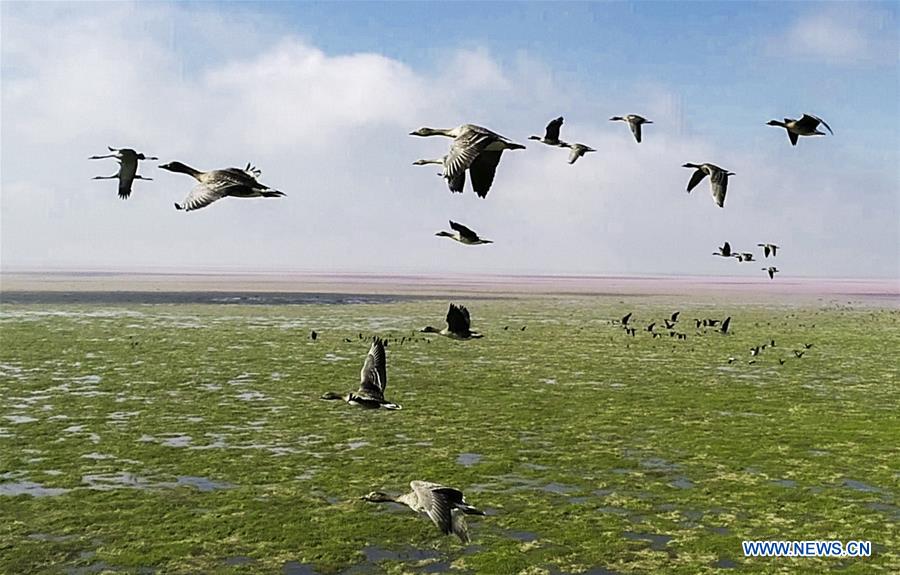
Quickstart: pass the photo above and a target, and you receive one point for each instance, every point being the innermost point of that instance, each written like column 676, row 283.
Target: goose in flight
column 475, row 149
column 634, row 122
column 744, row 257
column 578, row 150
column 551, row 133
column 723, row 329
column 372, row 381
column 806, row 126
column 128, row 165
column 458, row 324
column 769, row 248
column 718, row 180
column 724, row 251
column 217, row 184
column 445, row 506
column 457, row 184
column 463, row 235
column 772, row 270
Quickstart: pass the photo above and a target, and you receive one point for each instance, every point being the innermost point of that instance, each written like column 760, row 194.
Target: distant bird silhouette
column 445, row 506
column 626, row 318
column 458, row 324
column 551, row 133
column 475, row 149
column 807, row 346
column 744, row 257
column 725, row 324
column 769, row 248
column 463, row 235
column 634, row 122
column 805, row 126
column 718, row 180
column 772, row 271
column 128, row 165
column 650, row 327
column 674, row 316
column 218, row 184
column 798, row 353
column 373, row 381
column 313, row 335
column 578, row 150
column 754, row 351
column 724, row 251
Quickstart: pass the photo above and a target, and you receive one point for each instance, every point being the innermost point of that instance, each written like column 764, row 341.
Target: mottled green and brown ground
column 190, row 439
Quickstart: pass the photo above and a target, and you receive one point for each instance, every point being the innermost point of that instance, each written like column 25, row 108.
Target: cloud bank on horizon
column 326, row 117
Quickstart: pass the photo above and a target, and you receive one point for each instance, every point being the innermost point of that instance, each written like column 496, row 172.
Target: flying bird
column 458, row 324
column 218, row 184
column 463, row 235
column 724, row 251
column 744, row 257
column 772, row 271
column 718, row 180
column 445, row 506
column 634, row 122
column 128, row 165
column 475, row 149
column 769, row 249
column 372, row 381
column 626, row 318
column 806, row 126
column 578, row 150
column 551, row 133
column 723, row 329
column 457, row 183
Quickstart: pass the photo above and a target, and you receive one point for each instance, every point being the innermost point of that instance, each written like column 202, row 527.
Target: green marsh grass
column 190, row 439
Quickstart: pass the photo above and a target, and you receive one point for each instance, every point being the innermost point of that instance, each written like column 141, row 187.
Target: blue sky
column 164, row 75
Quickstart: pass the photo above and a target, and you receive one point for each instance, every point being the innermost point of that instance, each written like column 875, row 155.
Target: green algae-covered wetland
column 191, row 438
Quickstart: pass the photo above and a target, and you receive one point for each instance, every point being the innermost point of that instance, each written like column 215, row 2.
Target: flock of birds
column 473, row 149
column 478, row 151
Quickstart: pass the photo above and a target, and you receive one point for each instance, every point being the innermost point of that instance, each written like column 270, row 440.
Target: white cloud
column 842, row 34
column 330, row 131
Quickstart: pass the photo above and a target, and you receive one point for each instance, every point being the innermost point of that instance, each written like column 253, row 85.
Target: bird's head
column 775, row 123
column 174, row 167
column 689, row 165
column 444, row 234
column 424, row 132
column 376, row 497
